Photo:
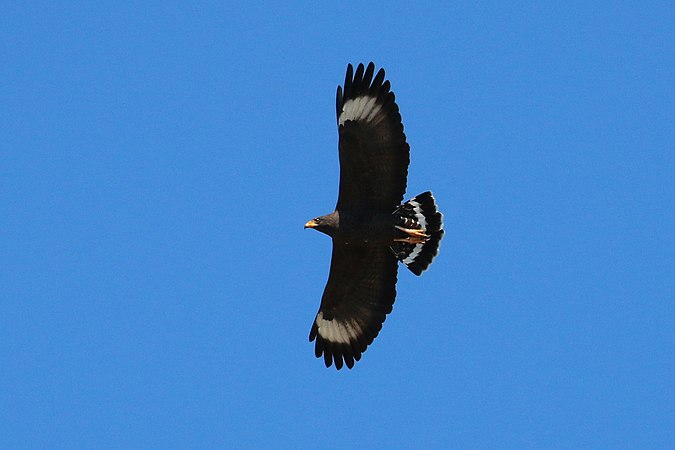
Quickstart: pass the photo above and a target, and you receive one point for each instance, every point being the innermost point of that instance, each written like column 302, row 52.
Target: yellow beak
column 311, row 224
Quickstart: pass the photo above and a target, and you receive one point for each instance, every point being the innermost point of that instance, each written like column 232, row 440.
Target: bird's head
column 325, row 224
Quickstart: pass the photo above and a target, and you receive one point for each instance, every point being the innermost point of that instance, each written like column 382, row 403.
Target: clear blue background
column 158, row 162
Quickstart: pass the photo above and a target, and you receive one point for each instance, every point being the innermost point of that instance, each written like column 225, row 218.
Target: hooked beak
column 311, row 224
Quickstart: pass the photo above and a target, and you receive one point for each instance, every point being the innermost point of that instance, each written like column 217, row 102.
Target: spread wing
column 374, row 155
column 360, row 292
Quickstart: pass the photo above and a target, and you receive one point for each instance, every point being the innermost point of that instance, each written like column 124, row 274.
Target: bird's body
column 360, row 227
column 370, row 228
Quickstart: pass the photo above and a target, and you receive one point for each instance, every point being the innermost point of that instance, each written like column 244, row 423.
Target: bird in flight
column 370, row 228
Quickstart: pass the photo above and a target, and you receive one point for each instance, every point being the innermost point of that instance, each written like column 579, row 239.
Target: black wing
column 374, row 155
column 360, row 292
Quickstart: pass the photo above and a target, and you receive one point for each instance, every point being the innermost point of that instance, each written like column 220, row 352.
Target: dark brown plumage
column 370, row 228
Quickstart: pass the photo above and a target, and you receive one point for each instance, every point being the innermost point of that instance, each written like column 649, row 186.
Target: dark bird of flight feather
column 370, row 228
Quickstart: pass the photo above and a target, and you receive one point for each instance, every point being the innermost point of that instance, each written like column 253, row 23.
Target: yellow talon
column 414, row 236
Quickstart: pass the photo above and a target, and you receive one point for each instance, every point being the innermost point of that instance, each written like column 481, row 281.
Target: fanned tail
column 419, row 213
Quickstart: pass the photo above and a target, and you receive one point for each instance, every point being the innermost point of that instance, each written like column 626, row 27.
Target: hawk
column 370, row 228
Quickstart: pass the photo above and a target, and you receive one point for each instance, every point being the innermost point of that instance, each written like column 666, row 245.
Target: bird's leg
column 414, row 236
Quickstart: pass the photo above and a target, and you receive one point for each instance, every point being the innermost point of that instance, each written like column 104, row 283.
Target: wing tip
column 364, row 79
column 341, row 354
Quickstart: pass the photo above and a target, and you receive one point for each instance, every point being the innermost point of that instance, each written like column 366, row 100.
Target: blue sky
column 158, row 164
